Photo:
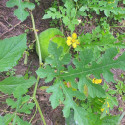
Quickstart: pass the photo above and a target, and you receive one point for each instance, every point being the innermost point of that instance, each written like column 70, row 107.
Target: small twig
column 10, row 29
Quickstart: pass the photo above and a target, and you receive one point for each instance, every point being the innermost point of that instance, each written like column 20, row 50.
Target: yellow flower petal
column 77, row 42
column 69, row 38
column 108, row 104
column 97, row 81
column 68, row 42
column 74, row 45
column 74, row 36
column 102, row 109
column 73, row 40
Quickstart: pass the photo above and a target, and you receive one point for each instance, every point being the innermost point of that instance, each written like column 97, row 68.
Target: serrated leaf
column 15, row 84
column 5, row 120
column 96, row 69
column 79, row 112
column 2, row 120
column 93, row 89
column 70, row 120
column 83, row 68
column 19, row 121
column 20, row 105
column 21, row 13
column 111, row 120
column 57, row 95
column 11, row 49
column 47, row 73
column 55, row 61
column 26, row 108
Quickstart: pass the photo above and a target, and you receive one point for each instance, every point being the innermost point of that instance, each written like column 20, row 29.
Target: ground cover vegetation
column 78, row 64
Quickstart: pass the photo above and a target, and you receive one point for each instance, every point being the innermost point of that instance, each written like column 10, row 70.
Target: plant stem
column 40, row 112
column 40, row 63
column 37, row 39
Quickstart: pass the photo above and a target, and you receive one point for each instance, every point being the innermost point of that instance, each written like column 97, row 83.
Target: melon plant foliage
column 84, row 66
column 84, row 102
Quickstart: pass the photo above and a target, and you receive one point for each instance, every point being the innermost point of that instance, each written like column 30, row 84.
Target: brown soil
column 11, row 26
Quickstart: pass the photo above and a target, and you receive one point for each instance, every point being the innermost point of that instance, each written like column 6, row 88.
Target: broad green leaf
column 11, row 50
column 16, row 85
column 21, row 12
column 51, row 34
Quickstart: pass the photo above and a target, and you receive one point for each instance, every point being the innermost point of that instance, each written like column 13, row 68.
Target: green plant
column 66, row 13
column 84, row 66
column 85, row 100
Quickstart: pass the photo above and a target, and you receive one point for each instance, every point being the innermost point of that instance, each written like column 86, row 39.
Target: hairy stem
column 40, row 63
column 37, row 39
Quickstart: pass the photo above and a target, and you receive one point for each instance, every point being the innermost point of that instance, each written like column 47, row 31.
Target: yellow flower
column 68, row 42
column 77, row 42
column 108, row 104
column 72, row 40
column 102, row 109
column 97, row 81
column 74, row 36
column 74, row 45
column 69, row 38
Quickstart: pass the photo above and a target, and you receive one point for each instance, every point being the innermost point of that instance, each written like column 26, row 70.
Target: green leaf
column 22, row 104
column 93, row 89
column 15, row 84
column 123, row 1
column 79, row 112
column 5, row 120
column 2, row 120
column 11, row 50
column 57, row 95
column 78, row 76
column 21, row 13
column 47, row 73
column 110, row 120
column 19, row 121
column 104, row 66
column 51, row 34
column 70, row 120
column 55, row 61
